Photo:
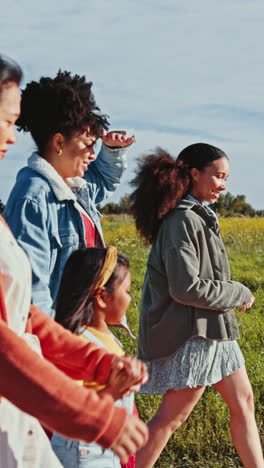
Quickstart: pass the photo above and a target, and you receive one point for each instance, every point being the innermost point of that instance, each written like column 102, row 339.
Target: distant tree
column 2, row 207
column 259, row 212
column 116, row 208
column 124, row 204
column 230, row 205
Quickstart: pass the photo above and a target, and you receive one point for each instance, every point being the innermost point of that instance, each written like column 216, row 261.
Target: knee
column 169, row 423
column 244, row 404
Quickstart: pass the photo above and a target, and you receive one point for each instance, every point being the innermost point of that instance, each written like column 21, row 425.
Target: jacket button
column 83, row 451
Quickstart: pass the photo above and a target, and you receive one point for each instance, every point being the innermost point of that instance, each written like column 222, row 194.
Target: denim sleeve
column 104, row 174
column 28, row 222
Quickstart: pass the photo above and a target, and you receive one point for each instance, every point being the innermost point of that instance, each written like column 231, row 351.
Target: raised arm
column 104, row 174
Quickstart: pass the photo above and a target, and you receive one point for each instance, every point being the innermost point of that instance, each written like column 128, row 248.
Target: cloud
column 176, row 72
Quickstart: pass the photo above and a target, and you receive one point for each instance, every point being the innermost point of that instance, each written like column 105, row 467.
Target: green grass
column 204, row 440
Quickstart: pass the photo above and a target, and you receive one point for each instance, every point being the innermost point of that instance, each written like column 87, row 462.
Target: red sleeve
column 36, row 386
column 71, row 354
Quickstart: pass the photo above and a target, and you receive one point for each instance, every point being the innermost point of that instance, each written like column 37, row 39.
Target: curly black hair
column 64, row 104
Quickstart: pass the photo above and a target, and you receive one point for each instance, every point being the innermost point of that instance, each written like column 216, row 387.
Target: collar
column 61, row 188
column 208, row 209
column 125, row 326
column 190, row 202
column 190, row 197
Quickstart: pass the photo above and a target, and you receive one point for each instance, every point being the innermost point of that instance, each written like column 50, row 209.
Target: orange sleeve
column 74, row 356
column 36, row 386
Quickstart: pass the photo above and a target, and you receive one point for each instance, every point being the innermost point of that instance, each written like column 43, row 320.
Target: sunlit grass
column 204, row 440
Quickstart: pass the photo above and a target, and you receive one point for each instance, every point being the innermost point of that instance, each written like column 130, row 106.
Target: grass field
column 204, row 440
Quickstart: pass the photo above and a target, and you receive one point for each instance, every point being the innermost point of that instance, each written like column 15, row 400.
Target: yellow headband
column 107, row 268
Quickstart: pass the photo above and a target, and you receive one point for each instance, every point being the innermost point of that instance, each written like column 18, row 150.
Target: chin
column 212, row 199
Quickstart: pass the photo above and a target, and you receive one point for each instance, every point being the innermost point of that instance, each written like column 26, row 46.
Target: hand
column 133, row 436
column 248, row 305
column 123, row 381
column 118, row 384
column 117, row 139
column 135, row 369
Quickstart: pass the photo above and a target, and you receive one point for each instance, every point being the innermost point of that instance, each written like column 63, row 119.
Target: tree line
column 226, row 205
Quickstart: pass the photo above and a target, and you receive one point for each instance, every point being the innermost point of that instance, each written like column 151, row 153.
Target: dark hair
column 10, row 71
column 161, row 181
column 74, row 304
column 63, row 104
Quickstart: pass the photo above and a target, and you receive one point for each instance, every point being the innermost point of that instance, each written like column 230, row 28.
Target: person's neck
column 194, row 195
column 53, row 160
column 99, row 323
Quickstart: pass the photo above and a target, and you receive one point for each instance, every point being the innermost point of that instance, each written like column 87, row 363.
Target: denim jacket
column 41, row 212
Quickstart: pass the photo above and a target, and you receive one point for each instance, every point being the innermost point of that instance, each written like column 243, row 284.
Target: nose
column 11, row 136
column 222, row 186
column 92, row 155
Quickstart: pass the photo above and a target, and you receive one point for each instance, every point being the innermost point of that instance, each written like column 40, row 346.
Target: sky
column 175, row 72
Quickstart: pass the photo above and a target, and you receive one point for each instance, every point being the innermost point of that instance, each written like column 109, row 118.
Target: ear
column 57, row 141
column 195, row 174
column 101, row 299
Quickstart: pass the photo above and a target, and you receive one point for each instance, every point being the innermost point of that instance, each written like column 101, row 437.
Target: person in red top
column 36, row 353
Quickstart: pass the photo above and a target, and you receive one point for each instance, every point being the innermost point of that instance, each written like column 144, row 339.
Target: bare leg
column 237, row 393
column 175, row 408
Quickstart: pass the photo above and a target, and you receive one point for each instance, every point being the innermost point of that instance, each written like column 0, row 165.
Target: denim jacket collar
column 62, row 190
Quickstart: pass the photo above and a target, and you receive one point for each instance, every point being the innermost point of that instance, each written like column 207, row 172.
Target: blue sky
column 176, row 72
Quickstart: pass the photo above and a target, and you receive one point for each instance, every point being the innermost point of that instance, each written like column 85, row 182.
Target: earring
column 59, row 153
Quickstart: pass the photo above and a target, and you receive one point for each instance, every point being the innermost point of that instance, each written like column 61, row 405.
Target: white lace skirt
column 199, row 362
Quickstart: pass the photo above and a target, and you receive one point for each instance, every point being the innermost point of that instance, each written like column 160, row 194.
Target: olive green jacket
column 187, row 289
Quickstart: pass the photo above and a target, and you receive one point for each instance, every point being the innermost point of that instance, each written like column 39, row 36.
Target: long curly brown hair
column 161, row 181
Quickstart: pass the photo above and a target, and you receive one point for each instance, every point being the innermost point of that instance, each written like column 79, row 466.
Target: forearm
column 213, row 294
column 188, row 287
column 104, row 174
column 71, row 354
column 35, row 386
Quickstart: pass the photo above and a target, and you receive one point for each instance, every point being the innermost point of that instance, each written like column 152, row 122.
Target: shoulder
column 186, row 212
column 30, row 185
column 181, row 225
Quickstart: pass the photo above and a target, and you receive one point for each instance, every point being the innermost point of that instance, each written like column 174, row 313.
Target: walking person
column 188, row 329
column 52, row 209
column 39, row 358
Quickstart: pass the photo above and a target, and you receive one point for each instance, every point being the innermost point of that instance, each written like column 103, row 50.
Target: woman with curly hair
column 39, row 358
column 188, row 329
column 52, row 207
